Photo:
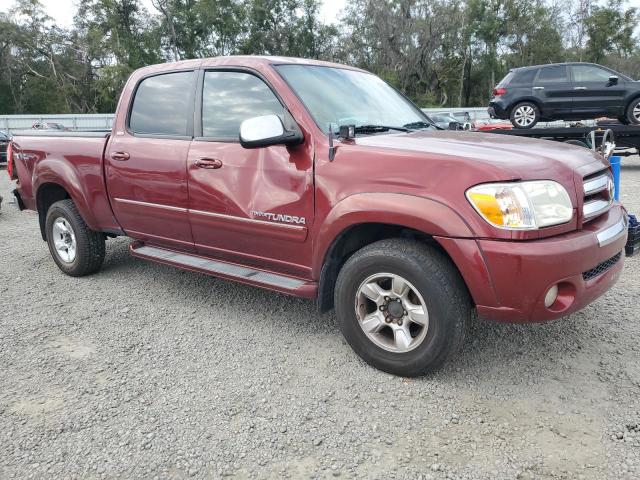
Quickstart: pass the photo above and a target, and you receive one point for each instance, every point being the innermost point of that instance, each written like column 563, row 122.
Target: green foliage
column 610, row 30
column 439, row 52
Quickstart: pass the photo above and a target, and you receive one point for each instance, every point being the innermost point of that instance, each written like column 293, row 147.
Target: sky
column 63, row 11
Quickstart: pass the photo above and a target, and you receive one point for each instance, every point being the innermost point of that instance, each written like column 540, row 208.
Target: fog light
column 551, row 296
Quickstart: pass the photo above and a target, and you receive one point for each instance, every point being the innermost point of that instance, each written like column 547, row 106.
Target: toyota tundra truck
column 320, row 180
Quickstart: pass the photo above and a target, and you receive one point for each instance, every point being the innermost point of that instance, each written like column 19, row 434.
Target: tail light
column 11, row 167
column 499, row 91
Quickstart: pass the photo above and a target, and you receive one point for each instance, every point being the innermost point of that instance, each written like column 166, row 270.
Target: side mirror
column 613, row 80
column 266, row 131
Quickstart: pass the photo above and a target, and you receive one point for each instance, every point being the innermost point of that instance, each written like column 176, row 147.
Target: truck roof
column 239, row 61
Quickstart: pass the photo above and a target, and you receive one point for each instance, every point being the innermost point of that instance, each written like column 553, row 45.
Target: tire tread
column 90, row 244
column 439, row 267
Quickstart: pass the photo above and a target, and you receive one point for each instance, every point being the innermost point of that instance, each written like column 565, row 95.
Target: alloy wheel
column 524, row 115
column 391, row 312
column 64, row 240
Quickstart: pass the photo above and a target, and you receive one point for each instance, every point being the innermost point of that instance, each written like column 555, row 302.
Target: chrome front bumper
column 614, row 232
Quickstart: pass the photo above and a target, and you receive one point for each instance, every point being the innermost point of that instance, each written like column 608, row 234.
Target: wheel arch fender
column 429, row 216
column 51, row 173
column 631, row 98
column 526, row 99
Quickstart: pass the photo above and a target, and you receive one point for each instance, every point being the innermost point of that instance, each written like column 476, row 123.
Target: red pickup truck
column 321, row 181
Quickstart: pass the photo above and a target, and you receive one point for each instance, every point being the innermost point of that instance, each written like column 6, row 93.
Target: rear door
column 594, row 94
column 552, row 87
column 250, row 206
column 145, row 165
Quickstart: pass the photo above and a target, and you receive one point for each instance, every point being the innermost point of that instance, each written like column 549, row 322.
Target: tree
column 119, row 36
column 438, row 52
column 610, row 31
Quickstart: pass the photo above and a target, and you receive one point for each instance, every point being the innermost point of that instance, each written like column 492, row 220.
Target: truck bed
column 46, row 153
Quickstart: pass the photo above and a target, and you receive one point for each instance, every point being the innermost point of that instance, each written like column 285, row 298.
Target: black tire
column 524, row 105
column 438, row 282
column 90, row 245
column 633, row 112
column 623, row 120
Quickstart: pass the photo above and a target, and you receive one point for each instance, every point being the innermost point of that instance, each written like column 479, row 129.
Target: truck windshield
column 337, row 96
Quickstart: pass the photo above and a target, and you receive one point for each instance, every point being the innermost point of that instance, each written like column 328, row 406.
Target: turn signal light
column 11, row 168
column 489, row 207
column 499, row 91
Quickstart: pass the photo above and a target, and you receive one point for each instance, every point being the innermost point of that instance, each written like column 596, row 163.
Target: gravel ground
column 144, row 371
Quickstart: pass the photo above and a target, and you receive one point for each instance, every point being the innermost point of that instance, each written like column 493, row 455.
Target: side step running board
column 232, row 271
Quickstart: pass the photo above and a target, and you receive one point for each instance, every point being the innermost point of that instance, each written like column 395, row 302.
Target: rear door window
column 162, row 104
column 525, row 77
column 555, row 74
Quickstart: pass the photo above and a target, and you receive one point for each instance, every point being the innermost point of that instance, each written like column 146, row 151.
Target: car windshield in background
column 337, row 96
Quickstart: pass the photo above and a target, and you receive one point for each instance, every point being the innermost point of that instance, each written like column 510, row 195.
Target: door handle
column 208, row 163
column 538, row 88
column 120, row 156
column 580, row 88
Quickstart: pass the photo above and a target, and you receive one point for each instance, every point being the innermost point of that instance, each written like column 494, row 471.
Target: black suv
column 565, row 91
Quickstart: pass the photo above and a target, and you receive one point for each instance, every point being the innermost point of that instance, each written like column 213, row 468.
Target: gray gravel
column 144, row 371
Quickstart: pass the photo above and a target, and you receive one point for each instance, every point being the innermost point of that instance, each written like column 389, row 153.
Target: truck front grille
column 598, row 195
column 601, row 268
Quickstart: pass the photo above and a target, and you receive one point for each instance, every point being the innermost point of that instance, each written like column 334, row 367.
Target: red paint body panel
column 416, row 180
column 74, row 163
column 522, row 272
column 149, row 192
column 222, row 203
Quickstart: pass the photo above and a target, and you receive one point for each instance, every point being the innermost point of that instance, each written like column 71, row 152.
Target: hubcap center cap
column 395, row 309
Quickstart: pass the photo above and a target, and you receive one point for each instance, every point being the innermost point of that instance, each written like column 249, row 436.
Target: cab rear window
column 557, row 73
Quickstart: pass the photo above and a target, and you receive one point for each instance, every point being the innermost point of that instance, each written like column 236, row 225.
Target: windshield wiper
column 419, row 125
column 378, row 128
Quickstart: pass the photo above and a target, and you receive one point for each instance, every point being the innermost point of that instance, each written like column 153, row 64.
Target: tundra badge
column 278, row 217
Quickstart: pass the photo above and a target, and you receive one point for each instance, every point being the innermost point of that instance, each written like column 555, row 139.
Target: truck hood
column 508, row 156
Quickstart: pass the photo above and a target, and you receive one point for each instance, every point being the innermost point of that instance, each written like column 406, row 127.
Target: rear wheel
column 633, row 112
column 76, row 249
column 524, row 115
column 402, row 306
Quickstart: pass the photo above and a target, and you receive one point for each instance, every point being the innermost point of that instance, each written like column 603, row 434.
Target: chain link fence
column 9, row 123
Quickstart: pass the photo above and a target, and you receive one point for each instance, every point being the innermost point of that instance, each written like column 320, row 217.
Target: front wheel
column 633, row 112
column 76, row 249
column 402, row 306
column 525, row 115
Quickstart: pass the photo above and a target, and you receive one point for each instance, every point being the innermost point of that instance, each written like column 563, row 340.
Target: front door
column 594, row 94
column 145, row 164
column 250, row 206
column 553, row 88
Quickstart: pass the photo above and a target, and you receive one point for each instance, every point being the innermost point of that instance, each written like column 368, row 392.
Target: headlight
column 522, row 205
